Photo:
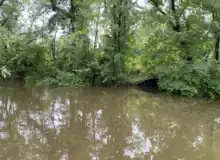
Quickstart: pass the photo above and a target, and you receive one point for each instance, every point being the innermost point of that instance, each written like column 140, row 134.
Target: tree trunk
column 217, row 47
column 53, row 49
column 97, row 28
column 73, row 11
column 176, row 26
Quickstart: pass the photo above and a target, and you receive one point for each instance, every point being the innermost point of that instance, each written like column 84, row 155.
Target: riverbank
column 200, row 79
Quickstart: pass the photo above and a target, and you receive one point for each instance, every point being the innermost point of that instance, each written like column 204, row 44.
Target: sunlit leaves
column 26, row 1
column 5, row 72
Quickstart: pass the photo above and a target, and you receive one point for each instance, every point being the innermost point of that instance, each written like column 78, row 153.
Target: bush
column 62, row 79
column 199, row 79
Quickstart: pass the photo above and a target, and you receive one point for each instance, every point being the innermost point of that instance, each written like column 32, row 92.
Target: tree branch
column 53, row 5
column 156, row 5
column 184, row 8
column 4, row 21
column 2, row 2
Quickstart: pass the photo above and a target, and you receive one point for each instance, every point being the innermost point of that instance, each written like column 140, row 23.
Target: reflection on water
column 104, row 123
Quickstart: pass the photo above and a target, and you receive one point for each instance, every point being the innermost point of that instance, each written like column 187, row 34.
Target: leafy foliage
column 200, row 79
column 5, row 72
column 111, row 42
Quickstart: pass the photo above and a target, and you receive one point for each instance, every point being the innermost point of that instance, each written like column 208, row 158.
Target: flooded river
column 38, row 123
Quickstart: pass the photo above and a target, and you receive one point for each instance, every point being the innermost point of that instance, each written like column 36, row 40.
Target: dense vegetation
column 111, row 42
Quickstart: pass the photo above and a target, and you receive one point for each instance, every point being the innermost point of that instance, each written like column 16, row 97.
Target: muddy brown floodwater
column 38, row 123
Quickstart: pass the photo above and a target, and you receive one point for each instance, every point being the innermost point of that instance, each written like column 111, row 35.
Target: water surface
column 38, row 123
